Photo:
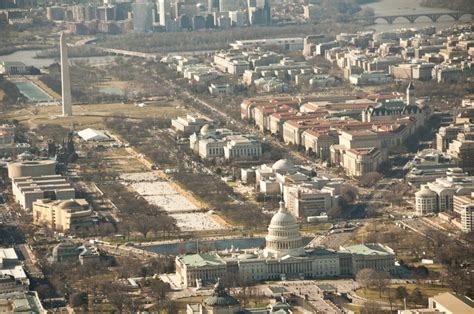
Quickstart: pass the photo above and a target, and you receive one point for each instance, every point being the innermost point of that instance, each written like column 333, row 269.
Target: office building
column 445, row 303
column 143, row 16
column 62, row 215
column 21, row 302
column 464, row 206
column 456, row 182
column 29, row 189
column 32, row 168
column 223, row 143
column 229, row 5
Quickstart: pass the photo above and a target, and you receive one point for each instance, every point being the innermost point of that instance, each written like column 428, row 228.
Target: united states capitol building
column 284, row 257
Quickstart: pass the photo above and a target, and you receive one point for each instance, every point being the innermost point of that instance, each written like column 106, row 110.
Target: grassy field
column 2, row 94
column 120, row 160
column 428, row 290
column 320, row 227
column 93, row 115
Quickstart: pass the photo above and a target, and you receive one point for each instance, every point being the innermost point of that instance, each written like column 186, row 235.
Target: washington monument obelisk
column 65, row 79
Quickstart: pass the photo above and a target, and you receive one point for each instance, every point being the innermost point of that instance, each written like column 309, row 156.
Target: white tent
column 93, row 135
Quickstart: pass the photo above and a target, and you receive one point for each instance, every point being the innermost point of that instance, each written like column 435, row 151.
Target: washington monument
column 65, row 79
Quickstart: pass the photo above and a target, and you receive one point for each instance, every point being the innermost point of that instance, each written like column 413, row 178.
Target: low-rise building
column 426, row 201
column 427, row 166
column 223, row 143
column 189, row 124
column 62, row 215
column 10, row 265
column 446, row 303
column 319, row 143
column 7, row 134
column 8, row 284
column 290, row 44
column 306, row 200
column 14, row 68
column 68, row 252
column 360, row 161
column 33, row 168
column 462, row 149
column 220, row 89
column 464, row 206
column 370, row 78
column 456, row 182
column 232, row 63
column 373, row 256
column 21, row 302
column 29, row 189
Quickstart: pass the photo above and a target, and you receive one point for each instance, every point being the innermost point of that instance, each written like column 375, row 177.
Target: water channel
column 210, row 245
column 28, row 57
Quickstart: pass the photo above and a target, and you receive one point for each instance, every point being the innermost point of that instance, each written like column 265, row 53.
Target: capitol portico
column 283, row 258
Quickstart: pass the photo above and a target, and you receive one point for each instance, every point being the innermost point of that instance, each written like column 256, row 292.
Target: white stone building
column 456, row 182
column 284, row 257
column 189, row 124
column 426, row 201
column 223, row 143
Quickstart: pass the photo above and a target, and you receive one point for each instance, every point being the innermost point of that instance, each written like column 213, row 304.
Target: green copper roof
column 199, row 260
column 368, row 249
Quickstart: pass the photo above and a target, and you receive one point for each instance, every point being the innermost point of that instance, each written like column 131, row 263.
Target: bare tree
column 381, row 280
column 365, row 277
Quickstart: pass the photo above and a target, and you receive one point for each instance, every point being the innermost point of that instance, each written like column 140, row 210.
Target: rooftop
column 455, row 303
column 368, row 249
column 200, row 260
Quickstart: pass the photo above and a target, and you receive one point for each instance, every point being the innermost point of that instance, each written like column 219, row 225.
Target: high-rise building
column 106, row 13
column 142, row 16
column 228, row 5
column 164, row 10
column 65, row 78
column 213, row 6
column 259, row 12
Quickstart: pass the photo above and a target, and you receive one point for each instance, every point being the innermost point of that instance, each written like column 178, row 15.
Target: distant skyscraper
column 65, row 78
column 164, row 7
column 213, row 5
column 228, row 5
column 142, row 16
column 259, row 12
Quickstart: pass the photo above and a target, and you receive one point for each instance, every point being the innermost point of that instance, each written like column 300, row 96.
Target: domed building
column 284, row 257
column 220, row 302
column 426, row 201
column 212, row 143
column 62, row 215
column 284, row 165
column 283, row 235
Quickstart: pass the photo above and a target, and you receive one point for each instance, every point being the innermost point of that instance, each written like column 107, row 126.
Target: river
column 394, row 7
column 28, row 58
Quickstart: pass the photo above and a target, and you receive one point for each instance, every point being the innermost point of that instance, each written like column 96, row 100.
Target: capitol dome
column 283, row 235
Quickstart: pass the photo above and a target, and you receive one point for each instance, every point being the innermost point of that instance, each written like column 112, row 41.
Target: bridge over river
column 434, row 17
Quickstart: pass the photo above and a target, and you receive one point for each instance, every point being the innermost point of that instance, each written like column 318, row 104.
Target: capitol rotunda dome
column 283, row 235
